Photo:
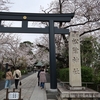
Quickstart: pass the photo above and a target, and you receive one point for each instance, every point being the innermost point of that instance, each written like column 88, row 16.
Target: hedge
column 86, row 73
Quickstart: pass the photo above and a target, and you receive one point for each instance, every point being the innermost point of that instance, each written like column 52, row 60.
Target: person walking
column 17, row 76
column 38, row 76
column 9, row 77
column 42, row 78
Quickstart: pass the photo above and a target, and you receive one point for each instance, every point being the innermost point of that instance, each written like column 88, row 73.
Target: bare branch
column 90, row 31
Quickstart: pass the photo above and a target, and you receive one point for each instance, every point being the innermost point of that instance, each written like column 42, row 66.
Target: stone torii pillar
column 74, row 61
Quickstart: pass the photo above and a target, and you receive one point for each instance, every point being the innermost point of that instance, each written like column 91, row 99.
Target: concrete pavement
column 29, row 89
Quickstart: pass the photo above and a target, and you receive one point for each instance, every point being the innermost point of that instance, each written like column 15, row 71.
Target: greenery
column 87, row 74
column 24, row 72
column 96, row 78
column 90, row 48
column 63, row 74
column 1, row 74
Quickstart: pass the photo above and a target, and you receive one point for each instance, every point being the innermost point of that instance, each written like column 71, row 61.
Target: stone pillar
column 74, row 60
column 75, row 91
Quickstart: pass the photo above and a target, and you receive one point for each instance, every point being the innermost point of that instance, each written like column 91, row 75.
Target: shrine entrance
column 51, row 30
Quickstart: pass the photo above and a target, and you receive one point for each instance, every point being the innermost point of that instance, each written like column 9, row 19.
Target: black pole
column 6, row 68
column 53, row 78
column 0, row 22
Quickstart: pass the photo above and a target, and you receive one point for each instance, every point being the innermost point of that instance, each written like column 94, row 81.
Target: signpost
column 13, row 95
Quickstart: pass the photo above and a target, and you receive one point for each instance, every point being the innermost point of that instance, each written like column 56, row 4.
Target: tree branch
column 42, row 46
column 80, row 24
column 90, row 31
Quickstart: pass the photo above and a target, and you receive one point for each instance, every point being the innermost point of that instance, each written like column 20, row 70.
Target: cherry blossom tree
column 86, row 20
column 26, row 48
column 15, row 53
column 4, row 6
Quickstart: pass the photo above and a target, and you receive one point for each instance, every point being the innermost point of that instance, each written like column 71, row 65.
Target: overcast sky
column 29, row 6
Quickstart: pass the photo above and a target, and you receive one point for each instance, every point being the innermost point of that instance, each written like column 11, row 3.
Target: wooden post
column 13, row 89
column 6, row 94
column 20, row 94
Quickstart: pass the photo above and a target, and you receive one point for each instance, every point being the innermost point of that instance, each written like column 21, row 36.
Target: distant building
column 39, row 64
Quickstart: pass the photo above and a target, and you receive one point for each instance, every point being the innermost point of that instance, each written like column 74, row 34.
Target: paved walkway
column 30, row 89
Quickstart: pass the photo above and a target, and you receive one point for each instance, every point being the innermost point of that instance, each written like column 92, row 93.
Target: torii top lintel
column 36, row 16
column 25, row 17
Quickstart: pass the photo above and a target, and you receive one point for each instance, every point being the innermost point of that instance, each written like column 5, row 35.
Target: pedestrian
column 38, row 76
column 42, row 78
column 9, row 77
column 17, row 76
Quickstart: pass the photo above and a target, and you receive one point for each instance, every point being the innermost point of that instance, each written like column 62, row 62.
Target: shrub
column 63, row 74
column 96, row 78
column 24, row 72
column 86, row 72
column 1, row 74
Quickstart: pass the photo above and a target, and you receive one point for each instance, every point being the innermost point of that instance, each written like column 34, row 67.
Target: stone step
column 52, row 95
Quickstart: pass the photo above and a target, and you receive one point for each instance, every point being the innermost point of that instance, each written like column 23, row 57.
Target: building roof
column 39, row 64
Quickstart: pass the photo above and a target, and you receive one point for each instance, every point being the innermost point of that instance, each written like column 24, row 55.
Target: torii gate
column 51, row 30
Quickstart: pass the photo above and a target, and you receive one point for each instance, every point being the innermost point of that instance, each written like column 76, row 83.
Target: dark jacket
column 38, row 74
